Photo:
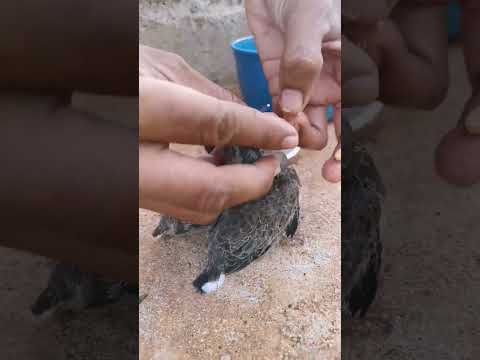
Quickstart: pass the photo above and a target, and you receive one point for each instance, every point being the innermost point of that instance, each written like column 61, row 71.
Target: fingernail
column 279, row 156
column 291, row 101
column 290, row 142
column 338, row 155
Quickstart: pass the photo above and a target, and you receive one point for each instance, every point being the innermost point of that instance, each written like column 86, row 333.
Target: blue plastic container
column 454, row 19
column 253, row 84
column 250, row 75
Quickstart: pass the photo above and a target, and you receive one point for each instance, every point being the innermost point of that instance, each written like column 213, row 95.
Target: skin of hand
column 366, row 12
column 178, row 105
column 414, row 70
column 299, row 44
column 456, row 157
column 360, row 76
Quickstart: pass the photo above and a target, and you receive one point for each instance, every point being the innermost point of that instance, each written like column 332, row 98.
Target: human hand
column 299, row 46
column 198, row 189
column 360, row 76
column 164, row 65
column 366, row 12
column 377, row 39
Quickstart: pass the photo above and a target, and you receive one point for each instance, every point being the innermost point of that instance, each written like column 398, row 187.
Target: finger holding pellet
column 173, row 113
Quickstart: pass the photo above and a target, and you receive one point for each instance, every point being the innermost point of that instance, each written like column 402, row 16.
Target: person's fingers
column 186, row 187
column 249, row 182
column 246, row 183
column 334, row 46
column 470, row 118
column 367, row 12
column 173, row 113
column 163, row 65
column 169, row 183
column 302, row 58
column 313, row 127
column 358, row 72
column 456, row 158
column 212, row 159
column 268, row 36
column 197, row 81
column 337, row 120
column 332, row 169
column 156, row 63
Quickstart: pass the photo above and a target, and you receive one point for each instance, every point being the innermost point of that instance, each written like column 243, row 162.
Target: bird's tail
column 209, row 281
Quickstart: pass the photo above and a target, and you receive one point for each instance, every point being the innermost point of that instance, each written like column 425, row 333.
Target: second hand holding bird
column 174, row 109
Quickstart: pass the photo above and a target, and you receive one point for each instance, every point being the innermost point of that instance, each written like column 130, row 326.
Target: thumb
column 302, row 59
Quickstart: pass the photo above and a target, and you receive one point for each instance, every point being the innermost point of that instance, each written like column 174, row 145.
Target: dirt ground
column 284, row 306
column 108, row 333
column 429, row 303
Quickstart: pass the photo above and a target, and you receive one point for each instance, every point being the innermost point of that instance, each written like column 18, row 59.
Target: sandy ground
column 283, row 306
column 429, row 304
column 97, row 334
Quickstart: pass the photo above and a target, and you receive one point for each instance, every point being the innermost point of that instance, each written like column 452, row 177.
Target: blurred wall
column 198, row 30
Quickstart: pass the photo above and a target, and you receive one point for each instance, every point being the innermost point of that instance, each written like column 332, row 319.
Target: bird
column 70, row 288
column 244, row 233
column 169, row 227
column 363, row 194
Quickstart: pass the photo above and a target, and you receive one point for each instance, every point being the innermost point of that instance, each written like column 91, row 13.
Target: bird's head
column 166, row 227
column 65, row 288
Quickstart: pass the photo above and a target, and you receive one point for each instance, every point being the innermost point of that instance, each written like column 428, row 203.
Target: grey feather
column 362, row 198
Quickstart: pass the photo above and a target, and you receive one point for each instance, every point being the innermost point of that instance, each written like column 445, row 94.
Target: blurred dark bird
column 71, row 289
column 362, row 198
column 244, row 233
